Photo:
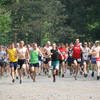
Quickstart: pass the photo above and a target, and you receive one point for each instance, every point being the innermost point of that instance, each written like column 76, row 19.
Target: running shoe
column 13, row 80
column 62, row 75
column 98, row 77
column 92, row 74
column 54, row 79
column 20, row 81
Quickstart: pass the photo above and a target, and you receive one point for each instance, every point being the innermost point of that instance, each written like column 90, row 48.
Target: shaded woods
column 54, row 20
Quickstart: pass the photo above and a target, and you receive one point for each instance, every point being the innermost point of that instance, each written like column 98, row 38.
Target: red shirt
column 76, row 52
column 63, row 51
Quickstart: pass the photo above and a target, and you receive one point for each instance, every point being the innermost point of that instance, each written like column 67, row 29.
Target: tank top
column 12, row 53
column 2, row 54
column 85, row 54
column 76, row 52
column 34, row 57
column 54, row 55
column 63, row 51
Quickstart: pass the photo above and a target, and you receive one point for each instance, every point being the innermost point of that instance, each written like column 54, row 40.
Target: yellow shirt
column 12, row 55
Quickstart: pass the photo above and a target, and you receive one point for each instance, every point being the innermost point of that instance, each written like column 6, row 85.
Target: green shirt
column 34, row 57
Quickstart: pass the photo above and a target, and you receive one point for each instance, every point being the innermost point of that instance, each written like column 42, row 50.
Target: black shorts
column 87, row 61
column 34, row 65
column 47, row 60
column 21, row 62
column 70, row 61
column 79, row 61
column 90, row 57
column 2, row 63
column 61, row 61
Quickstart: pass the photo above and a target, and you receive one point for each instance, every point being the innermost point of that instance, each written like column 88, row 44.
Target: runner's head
column 62, row 45
column 54, row 45
column 48, row 43
column 34, row 45
column 77, row 41
column 21, row 43
column 89, row 44
column 66, row 45
column 17, row 45
column 96, row 43
column 12, row 45
column 28, row 46
column 71, row 45
column 85, row 44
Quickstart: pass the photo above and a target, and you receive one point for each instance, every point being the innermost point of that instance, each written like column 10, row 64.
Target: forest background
column 54, row 20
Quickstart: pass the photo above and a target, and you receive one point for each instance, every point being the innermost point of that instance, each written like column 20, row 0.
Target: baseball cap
column 96, row 41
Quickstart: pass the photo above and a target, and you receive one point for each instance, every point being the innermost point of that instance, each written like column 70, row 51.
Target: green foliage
column 54, row 20
column 5, row 22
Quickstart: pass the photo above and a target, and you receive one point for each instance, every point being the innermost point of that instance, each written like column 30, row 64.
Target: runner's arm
column 40, row 53
column 60, row 54
column 27, row 53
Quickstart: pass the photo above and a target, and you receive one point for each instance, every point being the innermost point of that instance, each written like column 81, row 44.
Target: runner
column 2, row 63
column 77, row 49
column 95, row 51
column 85, row 58
column 47, row 62
column 34, row 61
column 55, row 60
column 66, row 60
column 13, row 60
column 40, row 61
column 63, row 51
column 90, row 56
column 27, row 62
column 22, row 55
column 70, row 59
column 6, row 62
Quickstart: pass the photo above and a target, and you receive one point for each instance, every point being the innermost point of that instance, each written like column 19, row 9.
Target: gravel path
column 44, row 89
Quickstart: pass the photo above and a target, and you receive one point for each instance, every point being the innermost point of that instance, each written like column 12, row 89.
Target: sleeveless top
column 55, row 55
column 76, row 52
column 85, row 54
column 12, row 53
column 34, row 57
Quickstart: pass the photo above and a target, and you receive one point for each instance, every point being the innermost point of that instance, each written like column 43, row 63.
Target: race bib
column 79, row 60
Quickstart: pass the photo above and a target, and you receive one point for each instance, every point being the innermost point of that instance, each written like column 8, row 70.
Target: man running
column 34, row 60
column 85, row 58
column 22, row 55
column 47, row 62
column 70, row 59
column 13, row 60
column 63, row 51
column 77, row 49
column 95, row 51
column 2, row 57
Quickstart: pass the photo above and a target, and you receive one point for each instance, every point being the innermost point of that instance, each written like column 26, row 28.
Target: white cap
column 17, row 43
column 96, row 41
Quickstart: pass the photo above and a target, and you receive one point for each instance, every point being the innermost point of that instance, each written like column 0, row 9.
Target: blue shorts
column 13, row 64
column 55, row 65
column 93, row 60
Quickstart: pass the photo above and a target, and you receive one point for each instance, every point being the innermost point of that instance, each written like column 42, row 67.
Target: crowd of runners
column 30, row 60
